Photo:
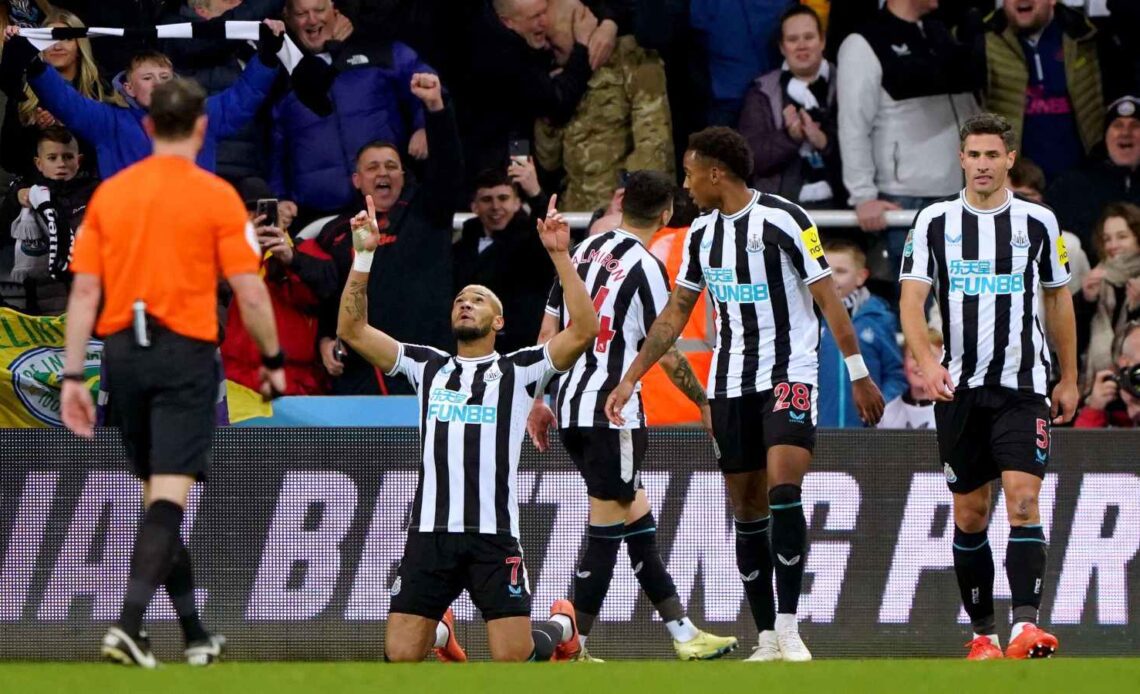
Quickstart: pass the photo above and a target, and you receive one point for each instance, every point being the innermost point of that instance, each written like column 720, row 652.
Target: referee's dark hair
column 727, row 147
column 647, row 195
column 989, row 124
column 174, row 108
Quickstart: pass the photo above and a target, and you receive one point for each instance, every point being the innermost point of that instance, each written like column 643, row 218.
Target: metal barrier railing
column 822, row 218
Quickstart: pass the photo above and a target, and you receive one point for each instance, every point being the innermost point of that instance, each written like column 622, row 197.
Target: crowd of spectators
column 846, row 104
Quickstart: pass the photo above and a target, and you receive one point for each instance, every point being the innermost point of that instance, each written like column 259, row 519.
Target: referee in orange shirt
column 155, row 240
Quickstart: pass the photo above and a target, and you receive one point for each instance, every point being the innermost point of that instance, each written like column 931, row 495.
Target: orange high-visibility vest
column 664, row 404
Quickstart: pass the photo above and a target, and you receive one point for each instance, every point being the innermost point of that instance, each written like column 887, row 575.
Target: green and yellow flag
column 31, row 361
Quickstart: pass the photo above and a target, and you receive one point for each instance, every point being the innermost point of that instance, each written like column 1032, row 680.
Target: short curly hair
column 726, row 146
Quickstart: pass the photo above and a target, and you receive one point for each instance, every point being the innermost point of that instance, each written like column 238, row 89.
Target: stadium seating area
column 848, row 106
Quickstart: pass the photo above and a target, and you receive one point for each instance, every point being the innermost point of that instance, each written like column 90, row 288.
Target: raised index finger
column 551, row 208
column 371, row 207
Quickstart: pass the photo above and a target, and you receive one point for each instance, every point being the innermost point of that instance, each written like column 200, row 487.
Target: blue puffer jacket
column 738, row 37
column 117, row 133
column 875, row 326
column 313, row 158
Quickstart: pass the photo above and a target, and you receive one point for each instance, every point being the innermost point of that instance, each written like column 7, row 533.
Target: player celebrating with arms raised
column 761, row 261
column 464, row 526
column 987, row 251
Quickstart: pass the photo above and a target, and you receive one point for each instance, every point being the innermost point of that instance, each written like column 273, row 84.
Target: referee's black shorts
column 163, row 401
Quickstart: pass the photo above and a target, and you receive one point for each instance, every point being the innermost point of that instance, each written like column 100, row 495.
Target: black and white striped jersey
column 986, row 266
column 472, row 422
column 756, row 266
column 630, row 287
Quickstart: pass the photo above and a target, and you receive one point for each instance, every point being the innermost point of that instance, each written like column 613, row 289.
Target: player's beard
column 470, row 333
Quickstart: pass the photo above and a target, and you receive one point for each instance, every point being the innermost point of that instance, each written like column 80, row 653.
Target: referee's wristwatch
column 275, row 362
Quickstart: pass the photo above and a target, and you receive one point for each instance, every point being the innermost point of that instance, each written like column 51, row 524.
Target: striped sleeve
column 653, row 294
column 532, row 364
column 806, row 249
column 412, row 359
column 554, row 300
column 1054, row 262
column 691, row 276
column 918, row 261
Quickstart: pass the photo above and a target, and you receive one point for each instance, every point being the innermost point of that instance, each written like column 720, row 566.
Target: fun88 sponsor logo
column 451, row 406
column 724, row 288
column 976, row 277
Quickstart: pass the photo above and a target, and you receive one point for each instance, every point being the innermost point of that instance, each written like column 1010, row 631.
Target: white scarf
column 289, row 54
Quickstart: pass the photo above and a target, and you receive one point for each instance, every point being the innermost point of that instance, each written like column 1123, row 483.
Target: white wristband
column 362, row 262
column 856, row 369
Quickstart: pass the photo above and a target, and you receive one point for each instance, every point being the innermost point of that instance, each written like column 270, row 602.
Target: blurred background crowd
column 847, row 105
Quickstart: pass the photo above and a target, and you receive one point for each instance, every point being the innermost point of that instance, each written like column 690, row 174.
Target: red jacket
column 1089, row 418
column 295, row 310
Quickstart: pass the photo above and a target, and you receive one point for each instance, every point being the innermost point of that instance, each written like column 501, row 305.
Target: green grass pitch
column 1079, row 675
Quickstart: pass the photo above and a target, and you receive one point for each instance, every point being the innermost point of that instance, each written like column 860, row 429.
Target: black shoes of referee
column 120, row 647
column 205, row 652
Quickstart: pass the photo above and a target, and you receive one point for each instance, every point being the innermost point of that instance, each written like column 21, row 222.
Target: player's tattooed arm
column 352, row 325
column 662, row 335
column 681, row 374
column 664, row 332
column 355, row 300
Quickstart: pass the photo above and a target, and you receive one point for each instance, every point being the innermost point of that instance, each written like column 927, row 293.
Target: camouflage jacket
column 622, row 122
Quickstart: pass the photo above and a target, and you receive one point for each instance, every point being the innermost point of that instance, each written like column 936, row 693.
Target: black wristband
column 69, row 376
column 277, row 361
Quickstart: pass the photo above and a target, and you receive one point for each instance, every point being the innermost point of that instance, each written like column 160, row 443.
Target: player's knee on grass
column 510, row 639
column 403, row 652
column 408, row 638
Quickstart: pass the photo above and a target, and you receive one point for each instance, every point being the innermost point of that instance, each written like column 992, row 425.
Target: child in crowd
column 913, row 409
column 52, row 207
column 875, row 326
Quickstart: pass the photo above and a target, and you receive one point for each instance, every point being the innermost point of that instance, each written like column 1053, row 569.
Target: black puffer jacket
column 217, row 65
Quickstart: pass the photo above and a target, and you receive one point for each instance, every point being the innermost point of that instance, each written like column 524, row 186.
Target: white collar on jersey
column 1000, row 208
column 744, row 210
column 477, row 360
column 623, row 232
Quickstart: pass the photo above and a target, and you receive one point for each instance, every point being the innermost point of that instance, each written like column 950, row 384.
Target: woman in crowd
column 24, row 118
column 1110, row 293
column 789, row 119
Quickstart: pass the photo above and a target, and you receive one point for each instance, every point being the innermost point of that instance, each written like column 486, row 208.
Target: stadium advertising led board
column 297, row 535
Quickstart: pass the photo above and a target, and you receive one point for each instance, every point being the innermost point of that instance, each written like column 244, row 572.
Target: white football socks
column 992, row 637
column 682, row 630
column 442, row 634
column 564, row 622
column 1017, row 628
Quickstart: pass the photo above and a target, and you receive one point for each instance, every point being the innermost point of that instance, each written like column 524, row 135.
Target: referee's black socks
column 592, row 580
column 789, row 545
column 754, row 561
column 180, row 587
column 1025, row 567
column 974, row 567
column 154, row 552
